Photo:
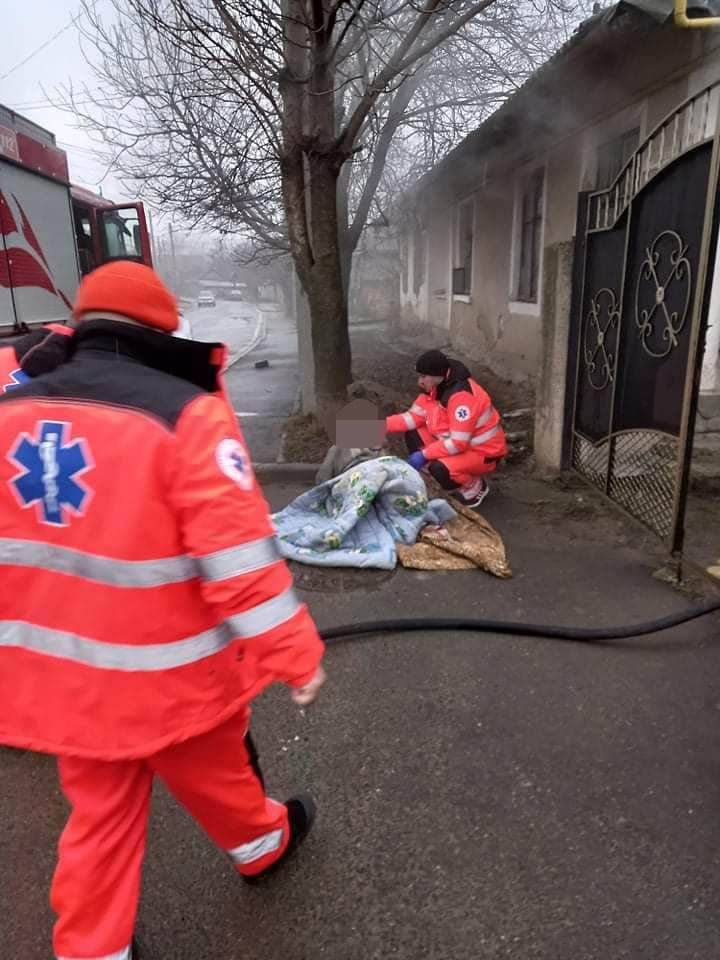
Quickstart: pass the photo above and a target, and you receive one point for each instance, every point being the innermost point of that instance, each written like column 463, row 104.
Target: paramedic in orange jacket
column 143, row 604
column 452, row 428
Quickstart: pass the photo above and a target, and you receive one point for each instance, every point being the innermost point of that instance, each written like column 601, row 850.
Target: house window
column 463, row 249
column 529, row 234
column 613, row 155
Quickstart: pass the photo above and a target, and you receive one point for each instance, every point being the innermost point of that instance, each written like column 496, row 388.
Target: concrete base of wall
column 551, row 387
column 708, row 417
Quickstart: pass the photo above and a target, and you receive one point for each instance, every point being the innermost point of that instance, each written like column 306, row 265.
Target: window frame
column 462, row 252
column 528, row 234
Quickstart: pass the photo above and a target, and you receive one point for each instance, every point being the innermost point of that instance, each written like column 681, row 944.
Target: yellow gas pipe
column 694, row 23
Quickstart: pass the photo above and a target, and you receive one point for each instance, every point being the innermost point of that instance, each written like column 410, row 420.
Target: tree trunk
column 346, row 263
column 326, row 294
column 310, row 166
column 308, row 397
column 344, row 241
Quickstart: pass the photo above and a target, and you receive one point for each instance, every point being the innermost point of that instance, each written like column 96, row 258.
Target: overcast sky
column 26, row 27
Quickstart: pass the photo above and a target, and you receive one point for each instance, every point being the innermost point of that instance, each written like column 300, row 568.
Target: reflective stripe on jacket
column 462, row 421
column 143, row 599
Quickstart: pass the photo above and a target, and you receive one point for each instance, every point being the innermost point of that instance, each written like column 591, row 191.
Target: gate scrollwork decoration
column 600, row 347
column 662, row 296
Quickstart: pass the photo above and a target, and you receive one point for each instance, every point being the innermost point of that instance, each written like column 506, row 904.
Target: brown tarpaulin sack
column 465, row 543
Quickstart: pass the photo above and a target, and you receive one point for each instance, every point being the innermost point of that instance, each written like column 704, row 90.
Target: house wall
column 424, row 303
column 575, row 120
column 701, row 77
column 480, row 323
column 438, row 266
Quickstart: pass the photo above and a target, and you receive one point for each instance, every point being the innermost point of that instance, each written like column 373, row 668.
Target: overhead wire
column 42, row 47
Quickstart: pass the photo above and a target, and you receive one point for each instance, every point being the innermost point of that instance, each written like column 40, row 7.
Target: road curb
column 257, row 339
column 286, row 472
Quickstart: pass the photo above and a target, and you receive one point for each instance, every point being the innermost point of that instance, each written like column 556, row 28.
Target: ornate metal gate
column 640, row 304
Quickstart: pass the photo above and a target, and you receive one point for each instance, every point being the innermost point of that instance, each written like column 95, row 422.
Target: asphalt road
column 262, row 398
column 480, row 797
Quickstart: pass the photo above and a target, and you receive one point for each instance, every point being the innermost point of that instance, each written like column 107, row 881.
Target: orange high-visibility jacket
column 16, row 350
column 11, row 374
column 143, row 599
column 460, row 416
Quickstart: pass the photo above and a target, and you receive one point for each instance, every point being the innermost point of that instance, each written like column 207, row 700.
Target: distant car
column 206, row 299
column 239, row 292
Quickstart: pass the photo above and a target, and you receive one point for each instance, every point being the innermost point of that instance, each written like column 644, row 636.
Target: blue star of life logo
column 17, row 379
column 51, row 468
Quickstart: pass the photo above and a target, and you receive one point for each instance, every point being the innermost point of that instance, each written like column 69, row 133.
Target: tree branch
column 395, row 116
column 381, row 80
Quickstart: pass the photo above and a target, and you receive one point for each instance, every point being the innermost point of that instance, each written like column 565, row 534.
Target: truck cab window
column 84, row 239
column 120, row 232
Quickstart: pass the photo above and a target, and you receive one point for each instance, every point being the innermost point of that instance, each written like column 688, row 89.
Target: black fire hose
column 572, row 634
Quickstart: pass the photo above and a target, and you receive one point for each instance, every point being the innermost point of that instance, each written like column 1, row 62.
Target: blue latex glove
column 417, row 460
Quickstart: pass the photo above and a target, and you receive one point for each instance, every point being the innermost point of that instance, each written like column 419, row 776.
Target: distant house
column 232, row 281
column 489, row 254
column 217, row 280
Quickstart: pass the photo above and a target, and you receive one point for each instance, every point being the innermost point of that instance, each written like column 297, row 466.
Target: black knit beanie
column 433, row 363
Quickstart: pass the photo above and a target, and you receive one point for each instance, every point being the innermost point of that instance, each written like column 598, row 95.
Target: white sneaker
column 473, row 494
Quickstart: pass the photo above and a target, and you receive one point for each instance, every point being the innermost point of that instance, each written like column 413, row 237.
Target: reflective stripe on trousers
column 153, row 656
column 260, row 847
column 125, row 954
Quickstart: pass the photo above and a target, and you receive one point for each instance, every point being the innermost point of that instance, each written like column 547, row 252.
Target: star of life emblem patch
column 462, row 413
column 50, row 468
column 233, row 460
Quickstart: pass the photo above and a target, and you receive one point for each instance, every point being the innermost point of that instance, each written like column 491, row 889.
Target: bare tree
column 280, row 120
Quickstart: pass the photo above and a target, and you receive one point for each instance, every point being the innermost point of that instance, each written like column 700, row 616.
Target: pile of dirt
column 304, row 440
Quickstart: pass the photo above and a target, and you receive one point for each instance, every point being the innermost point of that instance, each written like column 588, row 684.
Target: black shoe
column 472, row 502
column 301, row 816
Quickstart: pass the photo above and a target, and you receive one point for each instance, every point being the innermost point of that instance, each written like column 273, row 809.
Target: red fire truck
column 53, row 232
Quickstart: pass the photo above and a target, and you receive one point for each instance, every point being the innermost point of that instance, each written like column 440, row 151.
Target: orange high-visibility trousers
column 97, row 882
column 462, row 468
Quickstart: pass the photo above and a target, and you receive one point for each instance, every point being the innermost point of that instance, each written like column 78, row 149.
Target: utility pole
column 153, row 241
column 174, row 259
column 172, row 245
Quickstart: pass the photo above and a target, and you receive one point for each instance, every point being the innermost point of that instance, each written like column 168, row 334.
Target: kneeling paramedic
column 143, row 604
column 452, row 429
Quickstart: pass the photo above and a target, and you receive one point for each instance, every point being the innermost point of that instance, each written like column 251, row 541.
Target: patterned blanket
column 355, row 520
